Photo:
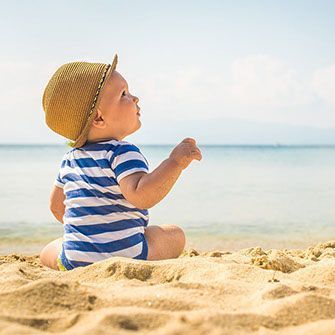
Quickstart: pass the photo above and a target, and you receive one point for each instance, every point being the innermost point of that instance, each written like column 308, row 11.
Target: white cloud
column 190, row 86
column 251, row 81
column 257, row 88
column 21, row 89
column 22, row 83
column 264, row 81
column 323, row 83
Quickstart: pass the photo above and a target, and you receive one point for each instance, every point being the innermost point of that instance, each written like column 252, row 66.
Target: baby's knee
column 49, row 253
column 182, row 237
column 179, row 237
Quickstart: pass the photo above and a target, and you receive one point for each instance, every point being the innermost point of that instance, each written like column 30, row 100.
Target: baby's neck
column 101, row 139
column 93, row 137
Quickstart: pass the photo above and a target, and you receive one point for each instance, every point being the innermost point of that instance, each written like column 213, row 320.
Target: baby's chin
column 137, row 127
column 139, row 124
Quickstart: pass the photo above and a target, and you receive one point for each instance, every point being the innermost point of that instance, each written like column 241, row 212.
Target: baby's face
column 118, row 113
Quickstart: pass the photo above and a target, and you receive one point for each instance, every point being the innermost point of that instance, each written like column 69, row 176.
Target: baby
column 103, row 190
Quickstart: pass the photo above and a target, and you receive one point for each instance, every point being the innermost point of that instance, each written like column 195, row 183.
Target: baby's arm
column 57, row 206
column 144, row 190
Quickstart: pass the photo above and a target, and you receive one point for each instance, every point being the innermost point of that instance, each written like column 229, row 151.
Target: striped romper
column 98, row 221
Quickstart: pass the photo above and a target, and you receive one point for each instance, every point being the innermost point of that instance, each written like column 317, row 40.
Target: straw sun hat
column 71, row 97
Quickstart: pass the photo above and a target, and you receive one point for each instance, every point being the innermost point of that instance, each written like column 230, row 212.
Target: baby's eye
column 123, row 93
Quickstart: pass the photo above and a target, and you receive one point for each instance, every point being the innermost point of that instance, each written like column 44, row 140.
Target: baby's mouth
column 138, row 111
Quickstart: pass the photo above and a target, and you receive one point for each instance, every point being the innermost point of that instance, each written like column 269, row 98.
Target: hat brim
column 82, row 138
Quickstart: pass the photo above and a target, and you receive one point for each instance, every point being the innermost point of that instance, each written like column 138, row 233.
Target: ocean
column 236, row 197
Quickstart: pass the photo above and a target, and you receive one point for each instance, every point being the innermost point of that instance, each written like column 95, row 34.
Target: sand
column 249, row 291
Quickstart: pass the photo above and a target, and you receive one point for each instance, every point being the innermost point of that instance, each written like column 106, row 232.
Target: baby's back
column 98, row 221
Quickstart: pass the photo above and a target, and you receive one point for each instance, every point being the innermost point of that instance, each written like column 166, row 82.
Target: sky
column 222, row 72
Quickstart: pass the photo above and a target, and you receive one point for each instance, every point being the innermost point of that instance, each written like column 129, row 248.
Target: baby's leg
column 49, row 253
column 165, row 241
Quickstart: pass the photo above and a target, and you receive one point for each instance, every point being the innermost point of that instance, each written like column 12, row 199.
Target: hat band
column 98, row 90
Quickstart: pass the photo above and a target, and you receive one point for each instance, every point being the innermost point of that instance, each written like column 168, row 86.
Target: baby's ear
column 98, row 121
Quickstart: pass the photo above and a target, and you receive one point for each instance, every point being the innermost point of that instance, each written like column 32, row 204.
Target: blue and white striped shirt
column 98, row 221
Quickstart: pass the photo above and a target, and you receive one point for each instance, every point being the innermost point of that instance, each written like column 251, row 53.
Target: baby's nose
column 136, row 99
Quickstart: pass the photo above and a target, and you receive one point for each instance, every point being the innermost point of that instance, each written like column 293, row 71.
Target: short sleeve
column 128, row 159
column 58, row 181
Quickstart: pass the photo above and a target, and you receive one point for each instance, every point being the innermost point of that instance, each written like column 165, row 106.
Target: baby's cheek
column 130, row 105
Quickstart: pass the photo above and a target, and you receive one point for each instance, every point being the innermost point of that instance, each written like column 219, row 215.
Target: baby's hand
column 185, row 152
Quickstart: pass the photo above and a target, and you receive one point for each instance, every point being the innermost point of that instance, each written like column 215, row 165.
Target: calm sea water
column 236, row 197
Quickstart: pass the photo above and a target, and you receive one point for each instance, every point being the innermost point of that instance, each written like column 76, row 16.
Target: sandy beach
column 249, row 291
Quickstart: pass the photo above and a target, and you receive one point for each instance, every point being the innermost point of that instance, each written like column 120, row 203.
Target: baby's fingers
column 197, row 154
